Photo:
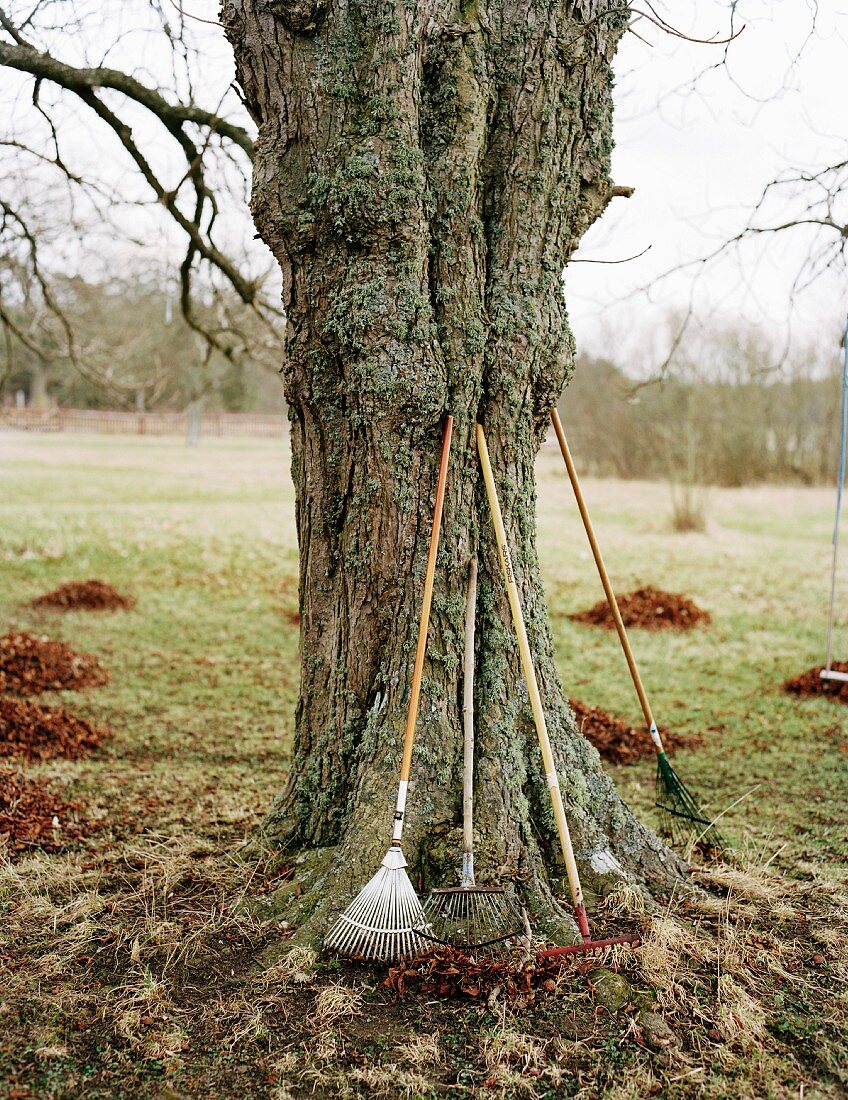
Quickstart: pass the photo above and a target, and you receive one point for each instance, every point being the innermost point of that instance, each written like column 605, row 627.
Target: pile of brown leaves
column 34, row 816
column 449, row 972
column 85, row 596
column 40, row 733
column 810, row 683
column 619, row 743
column 648, row 608
column 31, row 665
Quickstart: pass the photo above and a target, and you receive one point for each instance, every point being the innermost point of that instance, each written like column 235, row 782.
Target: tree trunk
column 423, row 172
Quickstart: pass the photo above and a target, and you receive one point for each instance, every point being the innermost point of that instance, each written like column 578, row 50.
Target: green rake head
column 683, row 817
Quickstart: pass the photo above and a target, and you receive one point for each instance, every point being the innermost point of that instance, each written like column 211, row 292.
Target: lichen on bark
column 424, row 170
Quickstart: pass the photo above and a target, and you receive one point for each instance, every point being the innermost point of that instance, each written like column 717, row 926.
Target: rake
column 587, row 944
column 383, row 920
column 682, row 815
column 468, row 916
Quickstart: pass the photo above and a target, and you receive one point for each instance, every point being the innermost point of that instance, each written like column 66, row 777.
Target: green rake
column 683, row 817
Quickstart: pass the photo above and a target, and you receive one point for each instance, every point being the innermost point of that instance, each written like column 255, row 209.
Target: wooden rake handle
column 429, row 577
column 532, row 685
column 468, row 717
column 605, row 581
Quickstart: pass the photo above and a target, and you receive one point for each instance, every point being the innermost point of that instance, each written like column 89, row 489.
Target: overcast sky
column 699, row 157
column 700, row 162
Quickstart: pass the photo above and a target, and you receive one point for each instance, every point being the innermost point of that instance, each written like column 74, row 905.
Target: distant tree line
column 138, row 352
column 722, row 418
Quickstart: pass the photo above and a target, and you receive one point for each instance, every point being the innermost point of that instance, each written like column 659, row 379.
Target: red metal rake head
column 588, row 946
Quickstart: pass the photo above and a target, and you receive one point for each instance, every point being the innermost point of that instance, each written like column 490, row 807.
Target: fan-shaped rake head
column 682, row 815
column 383, row 920
column 472, row 917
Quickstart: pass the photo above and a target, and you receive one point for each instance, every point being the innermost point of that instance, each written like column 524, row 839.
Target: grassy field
column 136, row 967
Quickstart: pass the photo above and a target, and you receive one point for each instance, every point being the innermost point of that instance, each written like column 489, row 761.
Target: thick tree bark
column 423, row 172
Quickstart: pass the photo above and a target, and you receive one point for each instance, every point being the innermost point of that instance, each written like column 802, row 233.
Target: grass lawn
column 142, row 965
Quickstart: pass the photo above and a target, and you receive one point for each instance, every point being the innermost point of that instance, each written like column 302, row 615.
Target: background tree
column 135, row 350
column 748, row 420
column 115, row 160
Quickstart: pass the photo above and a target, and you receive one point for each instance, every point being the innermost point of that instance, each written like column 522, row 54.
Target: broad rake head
column 383, row 921
column 683, row 816
column 472, row 917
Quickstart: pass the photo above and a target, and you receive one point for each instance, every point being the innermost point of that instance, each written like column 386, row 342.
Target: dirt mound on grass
column 40, row 733
column 648, row 608
column 619, row 743
column 31, row 665
column 85, row 596
column 34, row 816
column 810, row 683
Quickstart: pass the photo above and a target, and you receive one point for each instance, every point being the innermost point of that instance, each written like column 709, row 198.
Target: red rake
column 588, row 946
column 551, row 777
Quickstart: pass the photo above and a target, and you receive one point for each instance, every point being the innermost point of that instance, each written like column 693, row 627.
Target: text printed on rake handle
column 510, row 576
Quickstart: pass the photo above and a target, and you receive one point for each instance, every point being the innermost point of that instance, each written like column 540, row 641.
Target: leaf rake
column 682, row 815
column 586, row 945
column 383, row 920
column 468, row 916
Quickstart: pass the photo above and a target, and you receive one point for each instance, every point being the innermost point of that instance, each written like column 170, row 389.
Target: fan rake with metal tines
column 382, row 920
column 469, row 916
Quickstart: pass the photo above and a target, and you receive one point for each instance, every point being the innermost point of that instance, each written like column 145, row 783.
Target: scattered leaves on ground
column 450, row 972
column 32, row 815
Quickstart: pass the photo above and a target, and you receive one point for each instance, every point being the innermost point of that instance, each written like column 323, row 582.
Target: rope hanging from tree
column 840, row 484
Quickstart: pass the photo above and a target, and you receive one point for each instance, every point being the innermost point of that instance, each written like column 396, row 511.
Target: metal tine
column 469, row 916
column 472, row 918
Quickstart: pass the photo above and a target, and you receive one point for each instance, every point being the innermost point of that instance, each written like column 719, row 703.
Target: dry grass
column 393, row 1080
column 334, row 1003
column 627, row 901
column 665, row 945
column 295, row 968
column 419, row 1051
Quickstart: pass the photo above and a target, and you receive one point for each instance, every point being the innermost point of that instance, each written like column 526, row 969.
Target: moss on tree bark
column 423, row 172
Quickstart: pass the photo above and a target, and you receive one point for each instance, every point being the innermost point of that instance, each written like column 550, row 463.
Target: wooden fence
column 116, row 422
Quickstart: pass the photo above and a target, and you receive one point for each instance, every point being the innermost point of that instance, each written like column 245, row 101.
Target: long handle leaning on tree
column 418, row 669
column 605, row 581
column 533, row 690
column 467, row 877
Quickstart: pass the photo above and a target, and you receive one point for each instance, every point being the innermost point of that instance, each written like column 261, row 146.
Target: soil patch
column 810, row 683
column 85, row 596
column 619, row 743
column 40, row 733
column 648, row 608
column 30, row 665
column 34, row 816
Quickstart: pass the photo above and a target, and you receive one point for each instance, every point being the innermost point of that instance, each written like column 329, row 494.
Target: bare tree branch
column 174, row 116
